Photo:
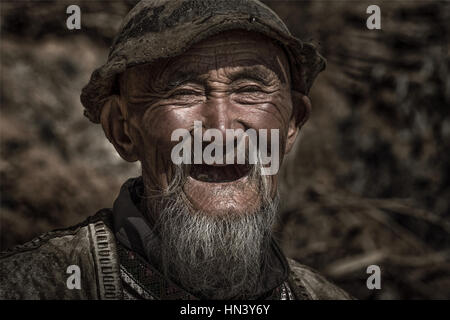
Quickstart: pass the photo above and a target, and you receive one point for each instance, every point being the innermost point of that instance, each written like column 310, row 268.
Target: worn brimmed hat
column 156, row 29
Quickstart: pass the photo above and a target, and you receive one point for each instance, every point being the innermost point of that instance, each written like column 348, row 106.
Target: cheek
column 270, row 119
column 156, row 128
column 275, row 112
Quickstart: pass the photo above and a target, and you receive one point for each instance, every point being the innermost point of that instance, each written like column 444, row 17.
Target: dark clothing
column 117, row 253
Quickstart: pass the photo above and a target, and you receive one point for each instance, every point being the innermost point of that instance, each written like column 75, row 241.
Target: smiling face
column 234, row 80
column 214, row 221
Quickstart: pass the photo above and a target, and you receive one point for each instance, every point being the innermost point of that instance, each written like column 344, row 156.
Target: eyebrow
column 181, row 77
column 264, row 76
column 255, row 73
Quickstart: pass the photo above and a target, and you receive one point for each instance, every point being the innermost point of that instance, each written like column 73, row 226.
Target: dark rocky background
column 368, row 182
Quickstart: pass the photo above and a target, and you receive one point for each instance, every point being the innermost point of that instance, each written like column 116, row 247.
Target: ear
column 301, row 109
column 116, row 128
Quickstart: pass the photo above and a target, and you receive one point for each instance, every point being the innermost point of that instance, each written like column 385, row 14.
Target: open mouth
column 219, row 173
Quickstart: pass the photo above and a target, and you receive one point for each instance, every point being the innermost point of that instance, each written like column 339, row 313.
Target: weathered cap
column 156, row 29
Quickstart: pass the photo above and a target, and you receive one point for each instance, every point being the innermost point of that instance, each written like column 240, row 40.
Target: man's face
column 214, row 221
column 235, row 80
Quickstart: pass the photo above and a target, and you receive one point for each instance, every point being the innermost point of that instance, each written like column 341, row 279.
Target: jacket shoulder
column 38, row 269
column 314, row 285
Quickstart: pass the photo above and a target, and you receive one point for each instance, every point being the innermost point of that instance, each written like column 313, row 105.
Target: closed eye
column 185, row 92
column 251, row 88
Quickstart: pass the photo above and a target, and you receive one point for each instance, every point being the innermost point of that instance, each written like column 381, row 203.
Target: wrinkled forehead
column 229, row 53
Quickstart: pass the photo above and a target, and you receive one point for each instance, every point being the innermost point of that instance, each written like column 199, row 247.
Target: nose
column 220, row 113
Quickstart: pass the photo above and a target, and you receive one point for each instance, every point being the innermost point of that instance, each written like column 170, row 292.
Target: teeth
column 203, row 176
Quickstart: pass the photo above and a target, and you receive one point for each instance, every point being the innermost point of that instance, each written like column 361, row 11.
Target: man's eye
column 249, row 89
column 184, row 92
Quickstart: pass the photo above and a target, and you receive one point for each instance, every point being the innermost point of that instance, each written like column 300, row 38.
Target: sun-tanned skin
column 237, row 80
column 189, row 231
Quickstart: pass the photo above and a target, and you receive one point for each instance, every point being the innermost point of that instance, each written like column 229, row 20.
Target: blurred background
column 368, row 181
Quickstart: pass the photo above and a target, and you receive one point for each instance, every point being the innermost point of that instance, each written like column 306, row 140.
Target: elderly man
column 200, row 230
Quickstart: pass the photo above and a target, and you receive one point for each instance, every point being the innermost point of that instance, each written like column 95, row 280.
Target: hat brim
column 134, row 49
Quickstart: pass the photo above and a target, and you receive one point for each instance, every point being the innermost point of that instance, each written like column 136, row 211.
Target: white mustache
column 251, row 146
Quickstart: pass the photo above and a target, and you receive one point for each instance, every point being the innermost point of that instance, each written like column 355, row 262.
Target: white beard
column 218, row 257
